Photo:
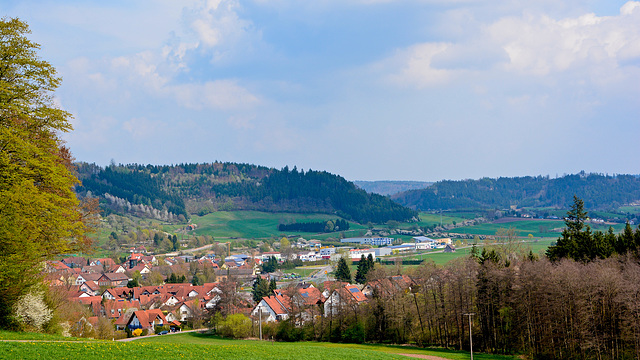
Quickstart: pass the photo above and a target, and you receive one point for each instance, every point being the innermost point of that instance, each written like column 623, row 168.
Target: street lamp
column 470, row 337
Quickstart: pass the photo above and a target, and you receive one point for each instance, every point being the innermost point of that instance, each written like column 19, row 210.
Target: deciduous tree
column 41, row 216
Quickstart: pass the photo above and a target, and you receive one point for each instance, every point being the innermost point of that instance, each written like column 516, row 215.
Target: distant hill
column 387, row 187
column 173, row 192
column 598, row 192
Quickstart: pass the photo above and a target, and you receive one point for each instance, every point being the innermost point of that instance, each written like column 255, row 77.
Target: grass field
column 538, row 228
column 254, row 224
column 524, row 227
column 199, row 346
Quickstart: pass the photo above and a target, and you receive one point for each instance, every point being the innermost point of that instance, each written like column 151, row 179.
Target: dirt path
column 420, row 356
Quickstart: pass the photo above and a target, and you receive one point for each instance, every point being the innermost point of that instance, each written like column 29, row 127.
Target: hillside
column 388, row 187
column 173, row 192
column 598, row 192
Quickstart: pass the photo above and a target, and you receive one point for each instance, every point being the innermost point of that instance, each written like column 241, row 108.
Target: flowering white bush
column 32, row 311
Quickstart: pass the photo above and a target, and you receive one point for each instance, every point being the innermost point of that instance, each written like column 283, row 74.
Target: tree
column 343, row 273
column 361, row 270
column 41, row 215
column 574, row 242
column 260, row 289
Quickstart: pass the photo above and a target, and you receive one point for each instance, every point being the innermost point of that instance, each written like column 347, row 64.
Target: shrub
column 137, row 332
column 32, row 311
column 236, row 326
column 287, row 331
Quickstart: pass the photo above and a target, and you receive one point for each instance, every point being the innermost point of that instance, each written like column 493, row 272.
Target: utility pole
column 470, row 334
column 260, row 314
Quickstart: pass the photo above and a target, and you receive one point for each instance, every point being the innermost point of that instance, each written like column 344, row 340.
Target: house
column 449, row 248
column 272, row 308
column 348, row 297
column 57, row 266
column 387, row 287
column 143, row 269
column 113, row 280
column 147, row 319
column 84, row 277
column 308, row 256
column 92, row 269
column 106, row 263
column 326, row 252
column 90, row 287
column 75, row 261
column 113, row 309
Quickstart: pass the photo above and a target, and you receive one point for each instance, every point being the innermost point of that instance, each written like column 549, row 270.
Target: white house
column 307, row 256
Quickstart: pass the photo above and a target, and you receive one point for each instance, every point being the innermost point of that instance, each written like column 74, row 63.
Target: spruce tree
column 343, row 273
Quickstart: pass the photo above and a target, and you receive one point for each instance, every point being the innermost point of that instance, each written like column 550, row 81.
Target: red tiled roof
column 311, row 295
column 274, row 305
column 355, row 293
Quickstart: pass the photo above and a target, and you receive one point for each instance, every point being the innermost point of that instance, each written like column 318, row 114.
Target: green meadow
column 256, row 224
column 524, row 227
column 200, row 346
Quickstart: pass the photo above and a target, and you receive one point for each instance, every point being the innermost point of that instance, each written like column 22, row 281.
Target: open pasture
column 253, row 224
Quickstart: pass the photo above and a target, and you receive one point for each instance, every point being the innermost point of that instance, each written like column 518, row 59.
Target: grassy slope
column 197, row 346
column 254, row 224
column 526, row 227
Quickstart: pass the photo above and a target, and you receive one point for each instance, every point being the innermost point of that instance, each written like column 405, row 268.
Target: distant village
column 157, row 295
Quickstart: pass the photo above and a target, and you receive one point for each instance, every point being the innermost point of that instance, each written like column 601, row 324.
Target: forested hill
column 173, row 192
column 598, row 192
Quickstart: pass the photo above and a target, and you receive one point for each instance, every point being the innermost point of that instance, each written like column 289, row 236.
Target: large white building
column 374, row 241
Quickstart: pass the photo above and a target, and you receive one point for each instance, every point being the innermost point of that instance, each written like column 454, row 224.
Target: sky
column 421, row 90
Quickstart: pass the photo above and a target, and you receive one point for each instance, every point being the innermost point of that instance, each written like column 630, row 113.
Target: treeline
column 598, row 192
column 569, row 305
column 203, row 188
column 520, row 305
column 136, row 187
column 316, row 226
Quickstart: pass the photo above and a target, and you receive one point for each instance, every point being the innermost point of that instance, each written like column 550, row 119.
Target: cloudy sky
column 368, row 89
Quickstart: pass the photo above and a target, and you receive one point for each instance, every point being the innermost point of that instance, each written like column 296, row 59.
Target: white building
column 374, row 241
column 356, row 254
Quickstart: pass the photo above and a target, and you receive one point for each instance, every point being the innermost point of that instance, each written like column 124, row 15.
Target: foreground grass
column 12, row 335
column 321, row 349
column 201, row 346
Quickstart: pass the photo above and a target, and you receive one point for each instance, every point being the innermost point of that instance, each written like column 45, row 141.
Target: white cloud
column 219, row 94
column 142, row 127
column 529, row 44
column 415, row 66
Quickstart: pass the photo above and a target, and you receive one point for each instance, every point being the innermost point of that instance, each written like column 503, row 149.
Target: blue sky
column 367, row 89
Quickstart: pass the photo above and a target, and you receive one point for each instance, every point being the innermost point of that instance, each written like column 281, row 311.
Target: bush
column 354, row 334
column 145, row 332
column 136, row 332
column 287, row 331
column 236, row 326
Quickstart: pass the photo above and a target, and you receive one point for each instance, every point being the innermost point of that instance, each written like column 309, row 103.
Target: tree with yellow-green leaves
column 40, row 216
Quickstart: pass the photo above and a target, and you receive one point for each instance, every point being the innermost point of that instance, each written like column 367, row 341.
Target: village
column 149, row 294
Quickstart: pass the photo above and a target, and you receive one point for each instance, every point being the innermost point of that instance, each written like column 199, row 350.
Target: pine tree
column 361, row 270
column 343, row 273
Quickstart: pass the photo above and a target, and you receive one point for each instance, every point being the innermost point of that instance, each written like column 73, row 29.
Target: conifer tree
column 343, row 273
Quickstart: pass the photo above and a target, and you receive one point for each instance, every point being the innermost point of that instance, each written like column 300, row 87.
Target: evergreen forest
column 599, row 192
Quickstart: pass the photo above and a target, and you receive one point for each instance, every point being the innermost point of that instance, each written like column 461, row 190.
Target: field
column 198, row 346
column 255, row 224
